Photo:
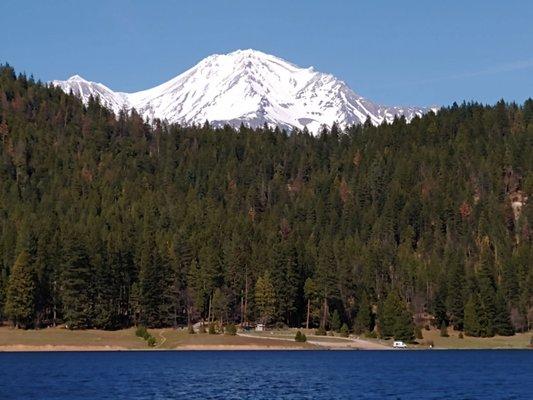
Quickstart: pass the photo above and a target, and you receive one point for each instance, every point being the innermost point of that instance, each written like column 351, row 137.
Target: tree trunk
column 245, row 313
column 242, row 308
column 325, row 313
column 308, row 312
column 209, row 311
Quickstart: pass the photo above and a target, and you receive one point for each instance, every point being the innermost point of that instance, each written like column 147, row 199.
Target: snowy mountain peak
column 250, row 87
column 76, row 78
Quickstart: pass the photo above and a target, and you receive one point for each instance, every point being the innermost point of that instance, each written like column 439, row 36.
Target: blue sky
column 392, row 52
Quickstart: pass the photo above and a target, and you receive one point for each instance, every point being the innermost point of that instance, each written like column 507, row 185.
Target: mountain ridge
column 250, row 87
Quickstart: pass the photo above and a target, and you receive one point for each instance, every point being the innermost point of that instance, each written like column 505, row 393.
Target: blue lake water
column 268, row 375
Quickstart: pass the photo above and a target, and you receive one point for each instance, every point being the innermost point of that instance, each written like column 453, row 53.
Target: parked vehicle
column 399, row 345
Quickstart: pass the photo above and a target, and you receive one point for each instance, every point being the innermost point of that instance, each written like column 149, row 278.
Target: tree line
column 107, row 221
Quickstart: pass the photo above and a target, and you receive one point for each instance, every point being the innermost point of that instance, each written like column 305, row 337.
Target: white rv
column 398, row 344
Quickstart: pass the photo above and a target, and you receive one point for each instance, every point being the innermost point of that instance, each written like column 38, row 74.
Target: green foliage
column 344, row 331
column 471, row 322
column 335, row 321
column 230, row 329
column 363, row 320
column 371, row 335
column 150, row 278
column 439, row 310
column 143, row 333
column 502, row 322
column 265, row 298
column 396, row 320
column 300, row 337
column 212, row 330
column 77, row 286
column 21, row 291
column 126, row 222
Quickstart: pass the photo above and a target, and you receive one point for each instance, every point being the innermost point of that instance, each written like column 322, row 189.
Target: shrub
column 201, row 329
column 212, row 329
column 190, row 329
column 344, row 330
column 231, row 329
column 371, row 335
column 335, row 321
column 321, row 331
column 280, row 326
column 300, row 337
column 142, row 332
column 461, row 336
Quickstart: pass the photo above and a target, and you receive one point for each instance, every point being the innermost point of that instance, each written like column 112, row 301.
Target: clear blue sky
column 393, row 52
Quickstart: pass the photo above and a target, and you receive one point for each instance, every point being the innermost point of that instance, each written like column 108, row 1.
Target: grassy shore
column 60, row 339
column 518, row 341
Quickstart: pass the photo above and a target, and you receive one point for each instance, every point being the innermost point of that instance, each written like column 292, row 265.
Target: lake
column 500, row 374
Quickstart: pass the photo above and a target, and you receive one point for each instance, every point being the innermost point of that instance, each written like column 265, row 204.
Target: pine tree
column 77, row 290
column 487, row 306
column 150, row 278
column 21, row 289
column 455, row 301
column 335, row 322
column 363, row 319
column 312, row 296
column 344, row 330
column 439, row 309
column 395, row 319
column 265, row 298
column 502, row 322
column 471, row 321
column 404, row 327
column 220, row 305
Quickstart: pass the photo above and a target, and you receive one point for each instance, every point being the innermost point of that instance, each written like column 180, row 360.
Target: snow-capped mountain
column 250, row 87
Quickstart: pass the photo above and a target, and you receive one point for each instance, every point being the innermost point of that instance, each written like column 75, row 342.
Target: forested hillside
column 107, row 221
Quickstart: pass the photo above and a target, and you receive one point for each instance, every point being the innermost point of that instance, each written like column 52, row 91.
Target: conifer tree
column 265, row 298
column 455, row 302
column 77, row 289
column 404, row 327
column 363, row 319
column 487, row 306
column 502, row 323
column 395, row 319
column 21, row 289
column 471, row 322
column 335, row 322
column 150, row 278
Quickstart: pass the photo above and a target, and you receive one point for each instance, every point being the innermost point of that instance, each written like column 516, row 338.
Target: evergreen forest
column 108, row 221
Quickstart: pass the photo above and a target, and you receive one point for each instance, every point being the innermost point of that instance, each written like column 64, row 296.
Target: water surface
column 268, row 375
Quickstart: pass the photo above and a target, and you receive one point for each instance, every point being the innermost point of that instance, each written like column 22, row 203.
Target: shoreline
column 62, row 340
column 90, row 349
